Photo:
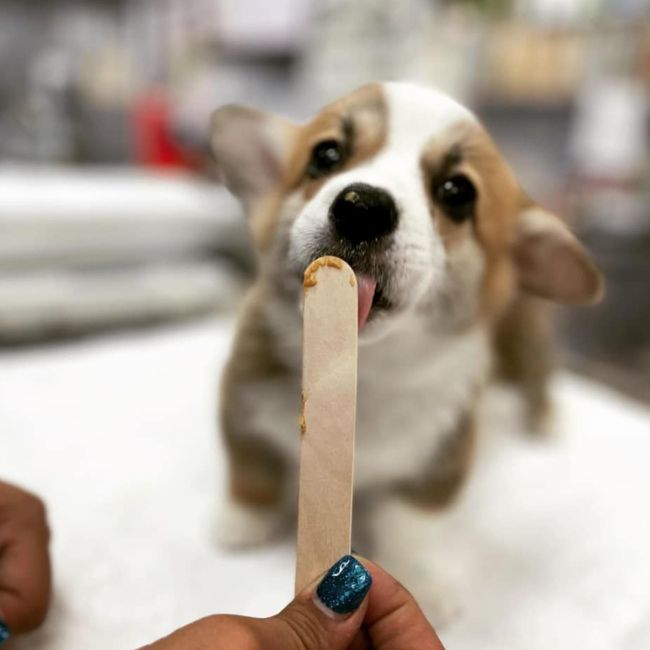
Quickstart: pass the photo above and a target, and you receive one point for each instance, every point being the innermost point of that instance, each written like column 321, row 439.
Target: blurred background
column 110, row 213
column 123, row 260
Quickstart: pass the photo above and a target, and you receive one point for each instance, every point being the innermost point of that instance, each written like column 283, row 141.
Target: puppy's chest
column 411, row 394
column 412, row 390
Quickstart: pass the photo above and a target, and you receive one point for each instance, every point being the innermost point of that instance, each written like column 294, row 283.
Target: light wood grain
column 328, row 418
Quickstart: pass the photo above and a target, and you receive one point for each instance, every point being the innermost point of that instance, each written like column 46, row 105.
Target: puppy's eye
column 326, row 157
column 457, row 196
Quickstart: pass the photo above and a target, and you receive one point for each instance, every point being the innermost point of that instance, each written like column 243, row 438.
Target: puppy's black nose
column 362, row 213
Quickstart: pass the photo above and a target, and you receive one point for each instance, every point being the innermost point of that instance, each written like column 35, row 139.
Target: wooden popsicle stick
column 329, row 396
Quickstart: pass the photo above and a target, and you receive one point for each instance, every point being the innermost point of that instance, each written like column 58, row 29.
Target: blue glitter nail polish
column 4, row 632
column 344, row 586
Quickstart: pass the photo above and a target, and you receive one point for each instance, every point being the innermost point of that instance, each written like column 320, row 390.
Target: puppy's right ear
column 251, row 149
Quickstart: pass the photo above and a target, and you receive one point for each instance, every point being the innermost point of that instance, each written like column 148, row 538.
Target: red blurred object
column 153, row 143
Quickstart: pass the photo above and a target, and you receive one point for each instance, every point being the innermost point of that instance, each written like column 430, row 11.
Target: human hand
column 375, row 613
column 25, row 575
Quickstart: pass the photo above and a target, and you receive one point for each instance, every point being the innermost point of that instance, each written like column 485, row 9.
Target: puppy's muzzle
column 363, row 213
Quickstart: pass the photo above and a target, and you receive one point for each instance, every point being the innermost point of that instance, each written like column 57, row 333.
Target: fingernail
column 344, row 586
column 4, row 632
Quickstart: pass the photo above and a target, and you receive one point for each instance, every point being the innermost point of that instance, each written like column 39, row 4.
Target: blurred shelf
column 528, row 106
column 87, row 250
column 41, row 307
column 53, row 217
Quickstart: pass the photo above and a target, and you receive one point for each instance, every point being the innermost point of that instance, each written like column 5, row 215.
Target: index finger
column 393, row 619
column 24, row 573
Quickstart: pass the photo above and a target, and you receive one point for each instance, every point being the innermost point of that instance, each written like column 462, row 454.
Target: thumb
column 328, row 614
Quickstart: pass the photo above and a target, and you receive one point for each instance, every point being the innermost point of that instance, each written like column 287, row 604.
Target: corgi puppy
column 406, row 186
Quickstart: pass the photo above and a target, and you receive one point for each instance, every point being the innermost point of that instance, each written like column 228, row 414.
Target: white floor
column 118, row 435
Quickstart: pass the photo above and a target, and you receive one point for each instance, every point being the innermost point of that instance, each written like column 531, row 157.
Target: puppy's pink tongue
column 366, row 289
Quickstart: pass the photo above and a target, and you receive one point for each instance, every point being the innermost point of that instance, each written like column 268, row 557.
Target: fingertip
column 329, row 612
column 345, row 586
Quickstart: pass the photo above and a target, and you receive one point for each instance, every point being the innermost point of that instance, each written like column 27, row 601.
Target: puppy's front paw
column 241, row 526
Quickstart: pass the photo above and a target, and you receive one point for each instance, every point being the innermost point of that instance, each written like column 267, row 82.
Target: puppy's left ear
column 552, row 263
column 251, row 149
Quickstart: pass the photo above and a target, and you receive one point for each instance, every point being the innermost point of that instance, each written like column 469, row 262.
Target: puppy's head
column 405, row 185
